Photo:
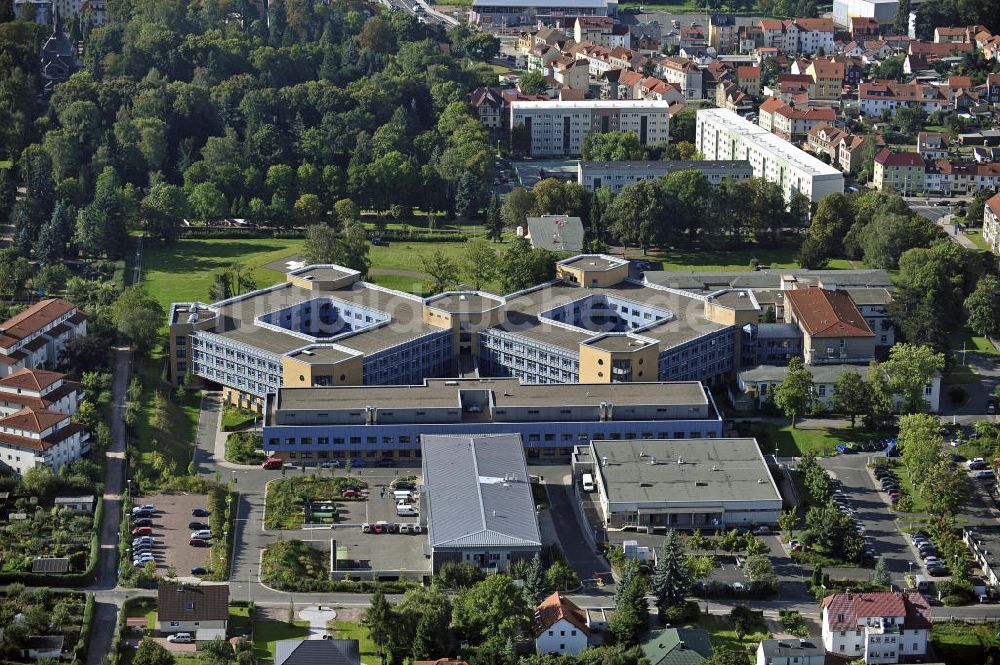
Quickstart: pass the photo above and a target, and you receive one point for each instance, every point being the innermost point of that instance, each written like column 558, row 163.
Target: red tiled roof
column 748, row 72
column 40, row 445
column 815, row 24
column 825, row 313
column 959, row 82
column 993, row 203
column 887, row 157
column 36, row 317
column 31, row 379
column 32, row 420
column 824, row 113
column 909, row 605
column 951, row 32
column 557, row 607
column 771, row 24
column 771, row 104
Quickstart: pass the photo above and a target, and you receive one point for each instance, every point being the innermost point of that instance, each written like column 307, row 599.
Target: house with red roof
column 560, row 626
column 877, row 95
column 793, row 124
column 898, row 172
column 748, row 78
column 37, row 335
column 833, row 329
column 888, row 627
column 39, row 389
column 39, row 437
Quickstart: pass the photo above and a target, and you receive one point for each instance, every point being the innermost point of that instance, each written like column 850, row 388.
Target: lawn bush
column 234, row 418
column 794, row 623
column 291, row 565
column 286, row 497
column 244, row 448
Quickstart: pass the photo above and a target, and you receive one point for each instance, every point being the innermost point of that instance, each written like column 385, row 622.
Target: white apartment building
column 878, row 627
column 723, row 135
column 991, row 223
column 557, row 128
column 39, row 389
column 814, row 34
column 683, row 72
column 38, row 437
column 618, row 175
column 790, row 652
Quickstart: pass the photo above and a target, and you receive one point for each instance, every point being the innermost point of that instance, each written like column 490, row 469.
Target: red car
column 351, row 493
column 142, row 531
column 272, row 463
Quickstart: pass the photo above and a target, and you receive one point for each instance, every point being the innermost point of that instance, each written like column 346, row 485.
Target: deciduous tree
column 794, row 395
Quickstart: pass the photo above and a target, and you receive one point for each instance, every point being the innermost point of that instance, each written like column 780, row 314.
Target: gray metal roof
column 477, row 492
column 820, row 373
column 766, row 279
column 317, row 652
column 557, row 233
column 785, row 648
column 544, row 4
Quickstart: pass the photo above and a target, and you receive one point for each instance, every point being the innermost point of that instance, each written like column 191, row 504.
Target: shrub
column 686, row 613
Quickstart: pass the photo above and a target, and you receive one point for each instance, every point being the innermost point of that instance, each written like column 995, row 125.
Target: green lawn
column 961, row 642
column 906, row 486
column 779, row 256
column 234, row 418
column 239, row 621
column 187, row 660
column 977, row 237
column 723, row 636
column 176, row 440
column 961, row 375
column 348, row 630
column 968, row 340
column 267, row 632
column 6, row 164
column 794, row 442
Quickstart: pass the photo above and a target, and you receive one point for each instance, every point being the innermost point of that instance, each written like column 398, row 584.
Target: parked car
column 146, row 507
column 351, row 493
column 142, row 521
column 197, row 526
column 272, row 463
column 404, row 485
column 843, row 449
column 357, row 463
column 385, row 463
column 199, row 571
column 199, row 512
column 330, row 464
column 142, row 531
column 144, row 540
column 203, row 533
column 982, row 474
column 198, row 542
column 795, row 546
column 180, row 638
column 143, row 514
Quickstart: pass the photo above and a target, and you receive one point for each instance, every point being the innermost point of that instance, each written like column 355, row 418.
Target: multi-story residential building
column 602, row 31
column 849, row 151
column 489, row 107
column 888, row 627
column 790, row 652
column 935, row 51
column 540, row 56
column 883, row 11
column 683, row 72
column 36, row 336
column 558, row 128
column 932, row 145
column 991, row 224
column 864, row 27
column 38, row 437
column 41, row 390
column 728, row 96
column 876, row 96
column 824, row 139
column 618, row 175
column 765, row 113
column 560, row 626
column 621, row 84
column 748, row 79
column 383, row 422
column 571, row 73
column 814, row 35
column 792, row 85
column 721, row 134
column 833, row 329
column 722, row 33
column 828, row 78
column 691, row 37
column 944, row 35
column 901, row 172
column 794, row 124
column 503, row 14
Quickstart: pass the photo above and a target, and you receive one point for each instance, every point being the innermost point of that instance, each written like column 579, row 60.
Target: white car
column 180, row 638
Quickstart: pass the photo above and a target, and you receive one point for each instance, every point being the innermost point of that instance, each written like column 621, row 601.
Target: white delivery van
column 588, row 483
column 405, row 510
column 402, row 495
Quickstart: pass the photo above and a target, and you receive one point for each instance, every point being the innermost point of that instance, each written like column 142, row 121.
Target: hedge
column 390, row 235
column 349, row 586
column 221, row 522
column 86, row 578
column 83, row 644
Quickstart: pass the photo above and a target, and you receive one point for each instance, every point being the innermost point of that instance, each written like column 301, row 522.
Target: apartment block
column 889, row 627
column 721, row 134
column 558, row 128
column 877, row 96
column 618, row 175
column 36, row 336
column 991, row 223
column 503, row 14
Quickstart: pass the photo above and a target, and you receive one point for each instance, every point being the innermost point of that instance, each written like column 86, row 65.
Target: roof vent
column 761, row 481
column 652, row 460
column 462, row 297
column 715, row 467
column 680, row 460
column 604, row 461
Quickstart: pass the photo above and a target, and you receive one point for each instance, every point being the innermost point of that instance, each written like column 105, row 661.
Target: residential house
column 748, row 79
column 601, row 30
column 43, row 647
column 790, row 652
column 620, row 84
column 683, row 72
column 560, row 626
column 876, row 96
column 36, row 336
column 571, row 73
column 815, row 35
column 550, row 36
column 849, row 152
column 775, row 35
column 790, row 85
column 749, row 38
column 676, row 646
column 951, row 35
column 854, row 49
column 489, row 106
column 37, row 437
column 864, row 27
column 887, row 627
column 318, row 652
column 932, row 145
column 898, row 172
column 722, row 33
column 540, row 56
column 934, row 51
column 827, row 77
column 692, row 37
column 991, row 224
column 793, row 124
column 202, row 610
column 39, row 389
column 916, row 65
column 833, row 329
column 957, row 85
column 824, row 139
column 765, row 114
column 731, row 98
column 652, row 88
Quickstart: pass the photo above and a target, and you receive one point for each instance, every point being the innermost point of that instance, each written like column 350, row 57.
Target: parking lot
column 171, row 532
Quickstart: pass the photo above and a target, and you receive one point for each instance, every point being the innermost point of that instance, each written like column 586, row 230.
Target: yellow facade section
column 596, row 364
column 592, row 278
column 296, row 373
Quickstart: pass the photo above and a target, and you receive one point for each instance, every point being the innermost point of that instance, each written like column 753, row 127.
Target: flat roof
column 737, row 299
column 323, row 273
column 618, row 342
column 768, row 278
column 507, row 392
column 768, row 142
column 875, row 296
column 651, row 104
column 821, row 373
column 600, row 262
column 562, row 4
column 713, row 470
column 668, row 165
column 466, row 301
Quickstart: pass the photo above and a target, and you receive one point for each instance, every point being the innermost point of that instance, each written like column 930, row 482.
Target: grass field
column 794, row 442
column 971, row 342
column 961, row 642
column 977, row 237
column 721, row 633
column 348, row 630
column 175, row 441
column 781, row 256
column 961, row 375
column 267, row 632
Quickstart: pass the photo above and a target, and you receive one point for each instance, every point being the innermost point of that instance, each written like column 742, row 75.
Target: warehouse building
column 504, row 14
column 558, row 128
column 477, row 500
column 359, row 423
column 618, row 175
column 722, row 134
column 682, row 484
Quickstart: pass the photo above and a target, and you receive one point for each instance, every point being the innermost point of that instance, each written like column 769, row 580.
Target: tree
column 138, row 317
column 308, row 209
column 911, row 367
column 881, row 575
column 910, row 119
column 163, row 208
column 535, row 585
column 39, row 481
column 152, row 653
column 379, row 620
column 522, row 267
column 467, row 195
column 832, row 532
column 984, row 306
column 671, row 580
column 920, row 440
column 787, row 521
column 207, row 202
column 50, row 245
column 760, row 570
column 794, row 395
column 631, row 611
column 516, row 206
column 881, row 410
column 727, row 655
column 901, row 25
column 442, row 271
column 560, row 577
column 612, row 146
column 480, row 264
column 850, row 395
column 884, row 239
column 532, row 83
column 816, row 480
column 945, row 490
column 495, row 606
column 346, row 210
